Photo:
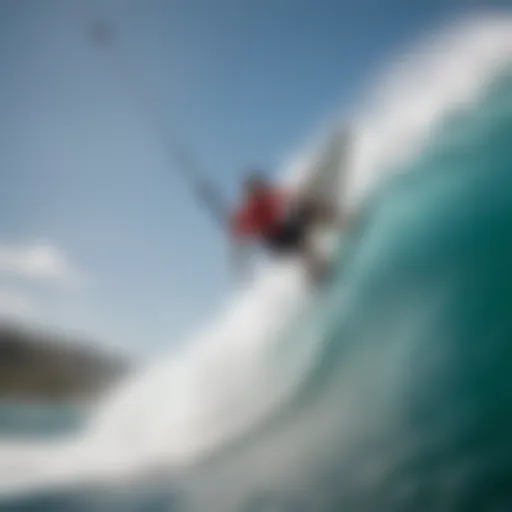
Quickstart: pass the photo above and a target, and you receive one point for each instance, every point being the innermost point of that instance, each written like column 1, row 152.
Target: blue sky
column 98, row 234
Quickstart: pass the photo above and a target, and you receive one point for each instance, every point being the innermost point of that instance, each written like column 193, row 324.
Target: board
column 327, row 180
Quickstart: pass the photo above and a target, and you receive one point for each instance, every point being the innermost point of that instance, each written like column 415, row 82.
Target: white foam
column 444, row 72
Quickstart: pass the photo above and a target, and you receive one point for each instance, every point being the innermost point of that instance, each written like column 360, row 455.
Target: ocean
column 391, row 390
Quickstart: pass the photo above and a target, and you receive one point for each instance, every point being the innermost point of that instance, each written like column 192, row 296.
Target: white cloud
column 14, row 304
column 40, row 261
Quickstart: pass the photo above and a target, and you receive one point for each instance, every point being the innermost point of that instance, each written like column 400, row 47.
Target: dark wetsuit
column 269, row 217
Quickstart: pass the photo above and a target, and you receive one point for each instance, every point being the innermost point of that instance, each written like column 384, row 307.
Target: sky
column 99, row 234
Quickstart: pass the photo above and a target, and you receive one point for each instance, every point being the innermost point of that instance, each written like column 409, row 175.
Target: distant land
column 40, row 365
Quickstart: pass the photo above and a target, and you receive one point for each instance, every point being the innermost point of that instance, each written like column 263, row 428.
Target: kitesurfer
column 278, row 220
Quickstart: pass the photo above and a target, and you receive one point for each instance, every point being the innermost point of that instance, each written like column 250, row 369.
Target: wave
column 285, row 390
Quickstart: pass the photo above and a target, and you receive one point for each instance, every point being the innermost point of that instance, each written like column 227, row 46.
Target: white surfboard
column 327, row 181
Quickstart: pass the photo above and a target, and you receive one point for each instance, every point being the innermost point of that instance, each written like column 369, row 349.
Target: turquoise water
column 408, row 405
column 20, row 421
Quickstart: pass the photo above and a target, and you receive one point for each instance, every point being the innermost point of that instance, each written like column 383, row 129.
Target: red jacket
column 261, row 215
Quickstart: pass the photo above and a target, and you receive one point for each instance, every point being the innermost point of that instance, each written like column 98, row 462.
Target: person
column 279, row 221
